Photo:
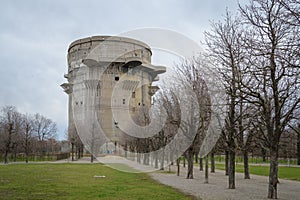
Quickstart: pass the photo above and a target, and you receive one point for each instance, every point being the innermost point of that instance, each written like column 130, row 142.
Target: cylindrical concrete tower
column 106, row 73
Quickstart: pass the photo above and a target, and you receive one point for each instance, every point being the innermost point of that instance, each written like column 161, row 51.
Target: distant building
column 109, row 60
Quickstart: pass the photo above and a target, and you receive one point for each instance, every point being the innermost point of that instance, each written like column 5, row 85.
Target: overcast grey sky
column 34, row 37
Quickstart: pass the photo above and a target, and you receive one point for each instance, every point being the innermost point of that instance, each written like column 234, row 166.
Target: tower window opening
column 123, row 101
column 117, row 78
column 133, row 95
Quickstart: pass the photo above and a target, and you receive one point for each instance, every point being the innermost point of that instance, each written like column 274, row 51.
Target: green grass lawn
column 258, row 160
column 292, row 173
column 76, row 181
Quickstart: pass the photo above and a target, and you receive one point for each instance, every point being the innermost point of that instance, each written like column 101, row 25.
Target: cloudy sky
column 34, row 38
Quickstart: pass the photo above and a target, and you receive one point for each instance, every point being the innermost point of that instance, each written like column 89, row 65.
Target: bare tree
column 225, row 50
column 221, row 146
column 169, row 102
column 10, row 126
column 44, row 129
column 27, row 134
column 18, row 133
column 273, row 46
column 206, row 169
column 191, row 79
column 194, row 95
column 212, row 161
column 246, row 129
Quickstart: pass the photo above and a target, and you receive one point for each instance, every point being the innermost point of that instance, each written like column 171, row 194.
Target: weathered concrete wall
column 110, row 61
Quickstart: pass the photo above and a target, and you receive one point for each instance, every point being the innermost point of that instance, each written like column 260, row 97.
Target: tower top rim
column 101, row 38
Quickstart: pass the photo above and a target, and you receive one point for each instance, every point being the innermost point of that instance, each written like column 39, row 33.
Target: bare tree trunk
column 246, row 165
column 190, row 160
column 201, row 164
column 26, row 149
column 148, row 159
column 298, row 149
column 184, row 161
column 6, row 156
column 273, row 177
column 231, row 169
column 8, row 143
column 178, row 166
column 76, row 155
column 92, row 158
column 212, row 162
column 26, row 155
column 263, row 153
column 226, row 162
column 42, row 150
column 15, row 154
column 162, row 159
column 81, row 150
column 72, row 147
column 206, row 169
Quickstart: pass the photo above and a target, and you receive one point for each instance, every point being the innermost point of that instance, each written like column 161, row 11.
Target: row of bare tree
column 26, row 134
column 255, row 54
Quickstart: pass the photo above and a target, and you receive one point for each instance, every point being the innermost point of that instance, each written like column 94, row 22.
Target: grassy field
column 257, row 160
column 292, row 173
column 77, row 181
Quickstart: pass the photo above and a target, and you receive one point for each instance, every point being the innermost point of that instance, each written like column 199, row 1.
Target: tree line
column 26, row 134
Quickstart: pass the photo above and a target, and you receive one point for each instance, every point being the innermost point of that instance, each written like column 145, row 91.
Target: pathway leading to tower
column 216, row 189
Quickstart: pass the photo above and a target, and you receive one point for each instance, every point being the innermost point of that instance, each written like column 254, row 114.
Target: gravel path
column 255, row 188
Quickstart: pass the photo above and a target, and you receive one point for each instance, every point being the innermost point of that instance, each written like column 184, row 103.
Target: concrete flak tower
column 107, row 73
